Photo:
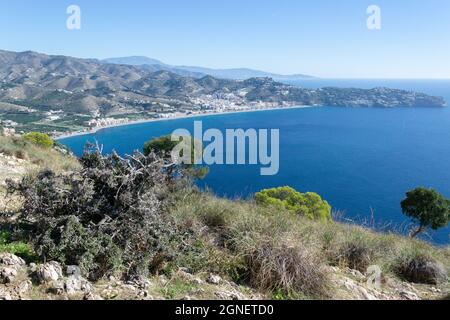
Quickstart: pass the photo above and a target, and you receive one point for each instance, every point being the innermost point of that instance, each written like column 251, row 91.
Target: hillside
column 216, row 248
column 58, row 93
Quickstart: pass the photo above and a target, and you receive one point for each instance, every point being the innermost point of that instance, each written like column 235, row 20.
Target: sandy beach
column 199, row 115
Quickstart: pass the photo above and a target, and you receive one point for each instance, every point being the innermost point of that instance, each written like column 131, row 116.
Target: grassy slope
column 35, row 156
column 19, row 157
column 256, row 246
column 236, row 229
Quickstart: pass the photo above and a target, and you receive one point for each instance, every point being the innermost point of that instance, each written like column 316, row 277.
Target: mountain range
column 236, row 73
column 34, row 84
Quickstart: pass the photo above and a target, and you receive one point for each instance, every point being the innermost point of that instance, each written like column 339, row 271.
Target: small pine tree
column 308, row 204
column 39, row 139
column 428, row 208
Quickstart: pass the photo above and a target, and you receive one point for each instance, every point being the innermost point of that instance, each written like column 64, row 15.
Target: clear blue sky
column 327, row 38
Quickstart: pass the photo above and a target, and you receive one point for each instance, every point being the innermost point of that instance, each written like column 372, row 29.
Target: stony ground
column 11, row 168
column 51, row 281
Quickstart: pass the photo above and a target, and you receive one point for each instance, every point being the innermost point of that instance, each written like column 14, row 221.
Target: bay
column 361, row 160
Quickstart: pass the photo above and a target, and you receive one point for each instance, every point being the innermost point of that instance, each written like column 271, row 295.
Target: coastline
column 199, row 115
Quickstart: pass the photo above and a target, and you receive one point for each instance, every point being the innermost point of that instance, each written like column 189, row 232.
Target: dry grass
column 39, row 158
column 296, row 243
column 287, row 269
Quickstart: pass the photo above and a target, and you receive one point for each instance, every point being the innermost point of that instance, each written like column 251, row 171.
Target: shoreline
column 200, row 115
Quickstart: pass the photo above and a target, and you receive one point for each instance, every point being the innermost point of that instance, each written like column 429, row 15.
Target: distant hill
column 236, row 74
column 40, row 82
column 135, row 61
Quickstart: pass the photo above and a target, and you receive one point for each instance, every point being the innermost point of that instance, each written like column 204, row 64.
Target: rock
column 185, row 270
column 163, row 280
column 214, row 279
column 5, row 296
column 92, row 297
column 229, row 295
column 189, row 277
column 12, row 260
column 140, row 283
column 197, row 281
column 143, row 294
column 356, row 274
column 57, row 288
column 73, row 271
column 7, row 275
column 76, row 284
column 408, row 295
column 33, row 267
column 358, row 292
column 24, row 287
column 109, row 293
column 49, row 272
column 365, row 294
column 435, row 290
column 129, row 287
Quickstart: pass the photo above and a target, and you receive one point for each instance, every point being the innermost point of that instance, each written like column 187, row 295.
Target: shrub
column 164, row 146
column 419, row 267
column 216, row 214
column 39, row 139
column 108, row 213
column 287, row 269
column 355, row 255
column 308, row 204
column 19, row 248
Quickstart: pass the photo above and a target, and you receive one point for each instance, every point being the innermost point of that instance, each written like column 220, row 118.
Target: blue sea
column 362, row 161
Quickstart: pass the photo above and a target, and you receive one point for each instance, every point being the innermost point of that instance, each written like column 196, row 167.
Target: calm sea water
column 360, row 160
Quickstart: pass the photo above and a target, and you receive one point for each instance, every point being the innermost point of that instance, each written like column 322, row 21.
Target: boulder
column 73, row 271
column 7, row 274
column 49, row 272
column 76, row 284
column 214, row 279
column 12, row 260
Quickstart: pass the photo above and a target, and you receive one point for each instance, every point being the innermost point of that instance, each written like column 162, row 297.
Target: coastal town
column 203, row 105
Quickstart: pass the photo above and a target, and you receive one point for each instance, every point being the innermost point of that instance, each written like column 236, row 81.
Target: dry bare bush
column 355, row 255
column 108, row 216
column 420, row 268
column 289, row 269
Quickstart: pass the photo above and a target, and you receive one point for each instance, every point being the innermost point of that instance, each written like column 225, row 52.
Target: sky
column 324, row 38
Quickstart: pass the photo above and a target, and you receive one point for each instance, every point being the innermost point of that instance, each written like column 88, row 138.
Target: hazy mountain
column 134, row 61
column 154, row 65
column 243, row 73
column 236, row 74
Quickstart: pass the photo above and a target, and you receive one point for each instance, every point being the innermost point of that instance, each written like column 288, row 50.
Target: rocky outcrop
column 7, row 274
column 9, row 259
column 49, row 272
